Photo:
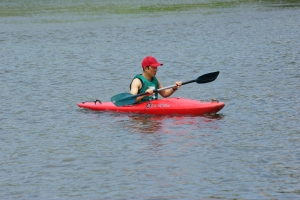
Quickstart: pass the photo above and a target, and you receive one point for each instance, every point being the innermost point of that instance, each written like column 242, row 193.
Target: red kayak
column 165, row 106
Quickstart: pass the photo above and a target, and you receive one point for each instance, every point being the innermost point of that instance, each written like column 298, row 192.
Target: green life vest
column 146, row 84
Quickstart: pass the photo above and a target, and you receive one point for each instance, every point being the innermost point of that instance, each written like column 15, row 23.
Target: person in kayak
column 147, row 82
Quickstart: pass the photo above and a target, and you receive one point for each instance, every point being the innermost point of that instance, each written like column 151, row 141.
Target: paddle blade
column 206, row 78
column 123, row 99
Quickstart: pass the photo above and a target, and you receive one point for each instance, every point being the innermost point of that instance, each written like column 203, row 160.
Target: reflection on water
column 145, row 124
column 150, row 124
column 168, row 137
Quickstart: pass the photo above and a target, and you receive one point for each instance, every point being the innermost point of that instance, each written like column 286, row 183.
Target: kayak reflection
column 145, row 123
column 150, row 124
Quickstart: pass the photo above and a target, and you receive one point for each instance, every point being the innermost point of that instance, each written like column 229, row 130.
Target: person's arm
column 168, row 92
column 136, row 85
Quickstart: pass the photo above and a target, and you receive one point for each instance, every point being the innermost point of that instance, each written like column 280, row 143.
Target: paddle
column 123, row 99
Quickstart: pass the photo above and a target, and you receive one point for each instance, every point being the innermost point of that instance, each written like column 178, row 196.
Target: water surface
column 56, row 54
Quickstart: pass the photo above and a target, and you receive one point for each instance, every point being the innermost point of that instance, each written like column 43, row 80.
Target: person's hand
column 149, row 92
column 178, row 84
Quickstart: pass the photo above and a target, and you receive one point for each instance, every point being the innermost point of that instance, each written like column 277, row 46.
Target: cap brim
column 156, row 64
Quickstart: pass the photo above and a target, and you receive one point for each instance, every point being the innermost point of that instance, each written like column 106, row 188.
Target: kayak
column 165, row 106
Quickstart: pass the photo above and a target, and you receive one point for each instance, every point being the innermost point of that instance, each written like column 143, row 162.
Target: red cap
column 150, row 61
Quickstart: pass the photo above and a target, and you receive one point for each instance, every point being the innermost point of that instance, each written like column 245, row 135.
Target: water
column 54, row 55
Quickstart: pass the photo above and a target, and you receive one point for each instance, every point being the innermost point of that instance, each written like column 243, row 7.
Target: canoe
column 165, row 106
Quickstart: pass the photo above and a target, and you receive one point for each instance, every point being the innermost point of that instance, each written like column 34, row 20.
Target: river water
column 56, row 54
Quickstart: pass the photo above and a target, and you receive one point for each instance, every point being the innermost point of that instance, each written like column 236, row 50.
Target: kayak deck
column 165, row 106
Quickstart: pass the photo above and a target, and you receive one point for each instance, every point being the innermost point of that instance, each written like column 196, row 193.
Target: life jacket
column 146, row 84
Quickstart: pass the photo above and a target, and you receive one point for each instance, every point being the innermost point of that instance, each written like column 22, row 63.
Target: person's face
column 151, row 71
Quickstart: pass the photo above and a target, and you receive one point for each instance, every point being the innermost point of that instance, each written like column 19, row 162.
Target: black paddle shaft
column 187, row 82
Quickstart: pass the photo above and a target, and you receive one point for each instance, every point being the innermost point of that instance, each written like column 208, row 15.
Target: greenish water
column 34, row 7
